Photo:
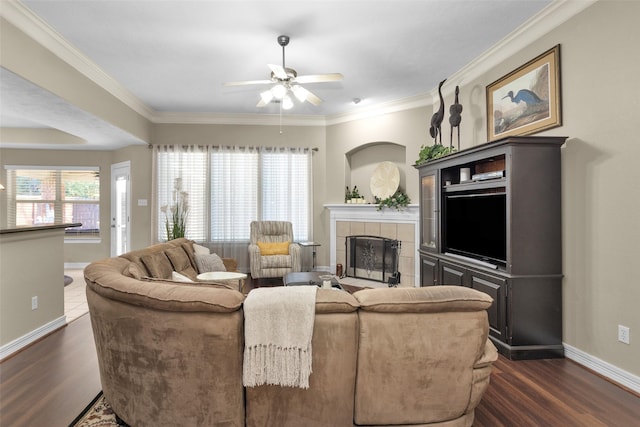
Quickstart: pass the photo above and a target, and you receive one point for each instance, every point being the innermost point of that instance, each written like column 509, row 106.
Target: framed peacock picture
column 527, row 100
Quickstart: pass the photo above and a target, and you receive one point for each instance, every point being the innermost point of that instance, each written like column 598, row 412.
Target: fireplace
column 367, row 220
column 373, row 258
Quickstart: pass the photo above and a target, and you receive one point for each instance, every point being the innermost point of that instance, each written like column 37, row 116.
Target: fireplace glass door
column 372, row 258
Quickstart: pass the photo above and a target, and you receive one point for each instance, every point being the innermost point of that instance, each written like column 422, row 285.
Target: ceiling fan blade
column 248, row 82
column 278, row 71
column 312, row 98
column 318, row 78
column 304, row 95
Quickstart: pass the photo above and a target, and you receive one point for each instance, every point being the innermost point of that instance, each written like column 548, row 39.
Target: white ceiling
column 174, row 56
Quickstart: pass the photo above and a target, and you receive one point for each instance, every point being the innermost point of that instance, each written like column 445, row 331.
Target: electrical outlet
column 623, row 334
column 34, row 303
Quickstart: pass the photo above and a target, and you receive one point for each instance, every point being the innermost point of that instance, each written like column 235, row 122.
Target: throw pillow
column 274, row 248
column 158, row 265
column 181, row 262
column 209, row 262
column 201, row 250
column 180, row 278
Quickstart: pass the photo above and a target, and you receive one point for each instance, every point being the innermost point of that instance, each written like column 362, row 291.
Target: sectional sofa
column 171, row 353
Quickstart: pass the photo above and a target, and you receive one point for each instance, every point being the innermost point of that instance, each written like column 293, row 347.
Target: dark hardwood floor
column 50, row 383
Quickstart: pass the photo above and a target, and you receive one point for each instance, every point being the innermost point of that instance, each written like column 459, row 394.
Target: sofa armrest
column 254, row 260
column 296, row 256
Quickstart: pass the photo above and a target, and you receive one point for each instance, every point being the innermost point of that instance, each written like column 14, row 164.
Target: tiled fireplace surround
column 362, row 219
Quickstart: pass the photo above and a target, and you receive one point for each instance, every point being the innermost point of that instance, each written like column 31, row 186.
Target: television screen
column 476, row 226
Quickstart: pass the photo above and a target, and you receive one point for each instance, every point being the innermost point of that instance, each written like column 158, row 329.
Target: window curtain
column 228, row 187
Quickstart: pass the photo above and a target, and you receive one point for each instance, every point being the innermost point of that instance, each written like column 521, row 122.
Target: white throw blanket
column 278, row 327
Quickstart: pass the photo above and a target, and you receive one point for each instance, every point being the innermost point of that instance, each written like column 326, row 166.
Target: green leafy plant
column 177, row 213
column 353, row 194
column 398, row 201
column 432, row 152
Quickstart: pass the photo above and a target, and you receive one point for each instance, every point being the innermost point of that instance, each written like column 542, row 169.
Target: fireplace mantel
column 370, row 213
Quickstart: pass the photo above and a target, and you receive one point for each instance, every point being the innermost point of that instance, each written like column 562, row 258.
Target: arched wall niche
column 362, row 160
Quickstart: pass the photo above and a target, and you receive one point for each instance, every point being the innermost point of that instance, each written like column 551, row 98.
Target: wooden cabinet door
column 496, row 288
column 429, row 212
column 451, row 274
column 428, row 270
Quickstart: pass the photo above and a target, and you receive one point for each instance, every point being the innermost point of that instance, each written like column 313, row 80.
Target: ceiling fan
column 286, row 81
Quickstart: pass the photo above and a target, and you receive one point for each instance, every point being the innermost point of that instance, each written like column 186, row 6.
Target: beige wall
column 601, row 193
column 30, row 266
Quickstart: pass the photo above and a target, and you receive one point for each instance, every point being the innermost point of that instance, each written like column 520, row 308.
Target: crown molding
column 549, row 18
column 553, row 15
column 33, row 26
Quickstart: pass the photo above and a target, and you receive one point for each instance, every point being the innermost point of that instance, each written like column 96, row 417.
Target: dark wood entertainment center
column 509, row 206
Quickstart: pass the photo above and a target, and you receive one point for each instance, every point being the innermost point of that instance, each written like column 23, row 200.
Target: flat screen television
column 475, row 226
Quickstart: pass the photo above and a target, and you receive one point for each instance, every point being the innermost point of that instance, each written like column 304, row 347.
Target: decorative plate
column 385, row 180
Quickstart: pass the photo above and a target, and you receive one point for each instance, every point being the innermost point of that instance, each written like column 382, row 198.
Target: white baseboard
column 19, row 343
column 75, row 265
column 605, row 369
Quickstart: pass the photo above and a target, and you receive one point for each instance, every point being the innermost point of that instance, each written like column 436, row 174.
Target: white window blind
column 285, row 188
column 182, row 168
column 39, row 195
column 234, row 192
column 231, row 186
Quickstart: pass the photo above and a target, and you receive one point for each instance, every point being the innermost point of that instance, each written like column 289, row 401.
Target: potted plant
column 177, row 213
column 432, row 152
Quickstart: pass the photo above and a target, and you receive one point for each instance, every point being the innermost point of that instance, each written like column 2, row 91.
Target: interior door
column 120, row 208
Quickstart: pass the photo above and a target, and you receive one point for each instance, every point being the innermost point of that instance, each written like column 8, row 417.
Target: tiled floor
column 75, row 299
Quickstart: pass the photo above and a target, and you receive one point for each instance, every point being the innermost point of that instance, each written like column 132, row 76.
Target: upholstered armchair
column 272, row 252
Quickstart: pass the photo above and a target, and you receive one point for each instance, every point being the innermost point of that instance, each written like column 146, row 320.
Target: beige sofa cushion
column 158, row 265
column 426, row 340
column 181, row 262
column 432, row 299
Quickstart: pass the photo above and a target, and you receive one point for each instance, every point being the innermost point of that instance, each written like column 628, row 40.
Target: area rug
column 97, row 414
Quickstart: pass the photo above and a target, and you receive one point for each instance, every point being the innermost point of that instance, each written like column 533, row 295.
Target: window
column 229, row 187
column 40, row 195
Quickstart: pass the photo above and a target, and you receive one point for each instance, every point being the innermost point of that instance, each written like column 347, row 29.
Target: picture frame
column 527, row 100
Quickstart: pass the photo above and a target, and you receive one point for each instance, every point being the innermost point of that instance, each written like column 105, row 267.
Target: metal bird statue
column 438, row 116
column 526, row 96
column 455, row 118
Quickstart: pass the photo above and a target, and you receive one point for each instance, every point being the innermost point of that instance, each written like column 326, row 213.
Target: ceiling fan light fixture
column 287, row 103
column 279, row 91
column 300, row 93
column 266, row 96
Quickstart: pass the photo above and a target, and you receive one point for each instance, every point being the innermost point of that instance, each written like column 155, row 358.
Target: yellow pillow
column 275, row 248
